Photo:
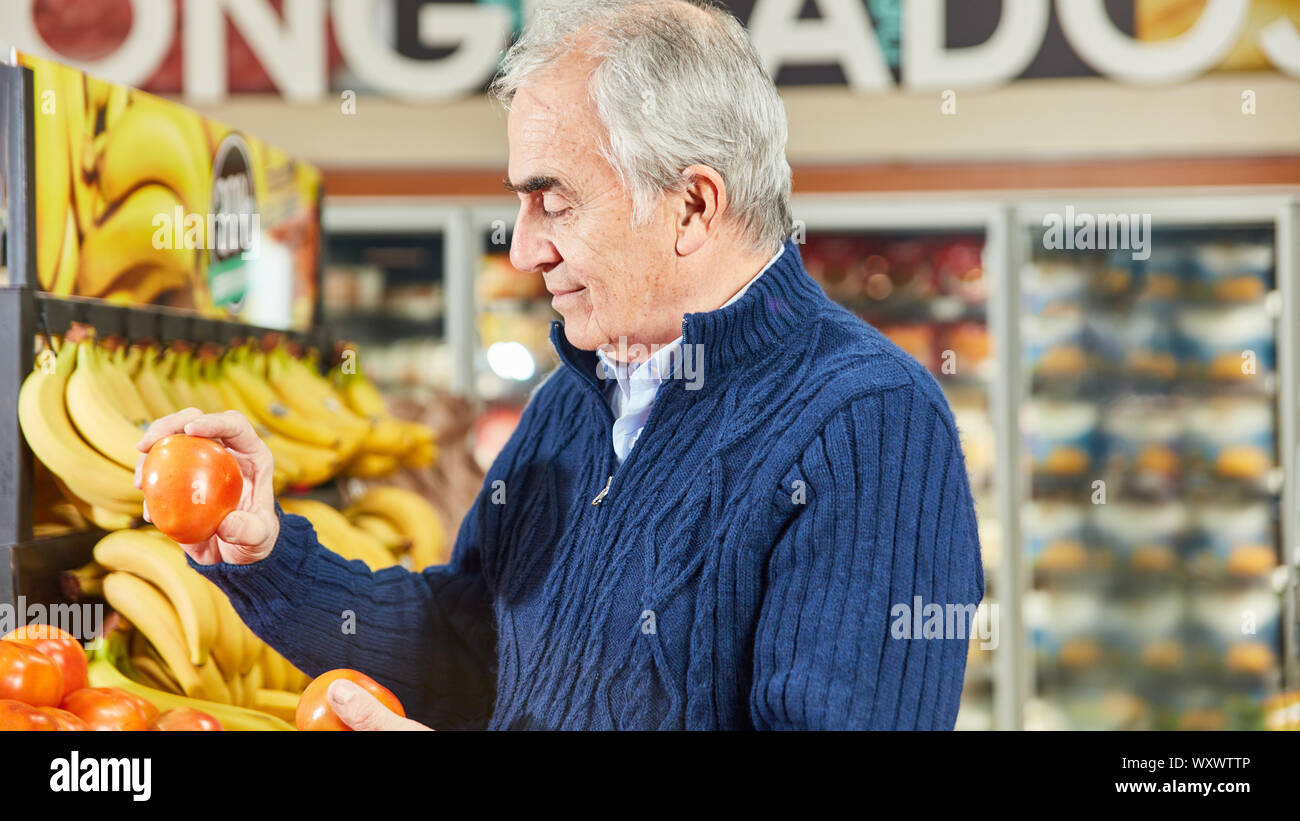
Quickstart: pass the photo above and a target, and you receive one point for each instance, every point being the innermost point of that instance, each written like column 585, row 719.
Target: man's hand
column 362, row 711
column 248, row 533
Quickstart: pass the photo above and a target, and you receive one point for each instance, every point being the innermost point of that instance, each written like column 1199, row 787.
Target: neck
column 720, row 273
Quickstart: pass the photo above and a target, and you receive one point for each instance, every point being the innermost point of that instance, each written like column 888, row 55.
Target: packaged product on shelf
column 1062, row 436
column 1232, row 344
column 1231, row 271
column 1231, row 439
column 1145, row 538
column 1234, row 540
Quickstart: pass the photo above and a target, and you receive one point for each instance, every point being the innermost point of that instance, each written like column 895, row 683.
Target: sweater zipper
column 616, row 468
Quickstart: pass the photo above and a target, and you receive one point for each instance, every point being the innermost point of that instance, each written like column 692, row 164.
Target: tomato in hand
column 185, row 718
column 14, row 715
column 110, row 708
column 314, row 712
column 64, row 719
column 29, row 676
column 190, row 484
column 60, row 646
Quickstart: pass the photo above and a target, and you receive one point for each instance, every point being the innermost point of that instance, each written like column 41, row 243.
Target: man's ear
column 703, row 201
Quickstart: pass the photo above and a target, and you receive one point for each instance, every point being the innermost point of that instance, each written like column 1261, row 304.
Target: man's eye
column 553, row 207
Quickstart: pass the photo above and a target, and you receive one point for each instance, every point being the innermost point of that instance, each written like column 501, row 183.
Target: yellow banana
column 103, row 671
column 251, row 647
column 274, row 668
column 165, row 567
column 252, row 682
column 80, row 129
column 383, row 530
column 263, row 401
column 175, row 368
column 52, row 437
column 149, row 611
column 65, row 273
column 413, row 516
column 212, row 686
column 309, row 393
column 370, row 466
column 143, row 285
column 337, row 534
column 236, row 687
column 115, row 368
column 94, row 410
column 147, row 143
column 134, row 234
column 100, row 517
column 228, row 648
column 279, row 703
column 50, row 115
column 152, row 674
column 153, row 389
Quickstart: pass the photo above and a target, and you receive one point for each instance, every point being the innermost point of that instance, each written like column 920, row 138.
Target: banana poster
column 140, row 200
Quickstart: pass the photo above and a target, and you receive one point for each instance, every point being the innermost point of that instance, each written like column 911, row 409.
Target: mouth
column 557, row 292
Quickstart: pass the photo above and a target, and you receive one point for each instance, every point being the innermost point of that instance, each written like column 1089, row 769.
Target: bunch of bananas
column 111, row 159
column 187, row 639
column 385, row 526
column 83, row 409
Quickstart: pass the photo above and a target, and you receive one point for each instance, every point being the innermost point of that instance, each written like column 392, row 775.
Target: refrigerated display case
column 385, row 287
column 1158, row 393
column 922, row 274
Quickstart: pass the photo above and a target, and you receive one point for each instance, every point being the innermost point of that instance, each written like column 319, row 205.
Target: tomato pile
column 43, row 686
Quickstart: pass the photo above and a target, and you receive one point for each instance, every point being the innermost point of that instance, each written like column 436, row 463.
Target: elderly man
column 712, row 512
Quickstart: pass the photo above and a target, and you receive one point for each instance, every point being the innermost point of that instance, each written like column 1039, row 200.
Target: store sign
column 439, row 50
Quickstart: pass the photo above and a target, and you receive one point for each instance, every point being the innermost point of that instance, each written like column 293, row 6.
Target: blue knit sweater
column 741, row 571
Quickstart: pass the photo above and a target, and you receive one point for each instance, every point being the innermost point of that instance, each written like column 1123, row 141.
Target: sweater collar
column 778, row 303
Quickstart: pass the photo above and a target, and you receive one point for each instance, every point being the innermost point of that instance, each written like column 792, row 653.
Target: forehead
column 551, row 126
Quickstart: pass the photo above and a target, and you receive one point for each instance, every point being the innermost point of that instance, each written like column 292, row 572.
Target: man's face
column 607, row 279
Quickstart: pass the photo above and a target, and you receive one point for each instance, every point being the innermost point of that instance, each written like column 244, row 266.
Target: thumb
column 246, row 533
column 362, row 711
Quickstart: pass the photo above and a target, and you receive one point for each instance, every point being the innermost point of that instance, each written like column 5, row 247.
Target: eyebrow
column 539, row 183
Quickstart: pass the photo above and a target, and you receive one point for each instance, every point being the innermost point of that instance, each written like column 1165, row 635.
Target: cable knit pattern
column 740, row 572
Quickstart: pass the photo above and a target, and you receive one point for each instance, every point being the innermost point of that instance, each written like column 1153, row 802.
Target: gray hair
column 678, row 83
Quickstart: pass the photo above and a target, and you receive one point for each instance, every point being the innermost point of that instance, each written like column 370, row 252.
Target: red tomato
column 190, row 484
column 110, row 708
column 314, row 712
column 14, row 715
column 29, row 676
column 185, row 718
column 64, row 719
column 58, row 645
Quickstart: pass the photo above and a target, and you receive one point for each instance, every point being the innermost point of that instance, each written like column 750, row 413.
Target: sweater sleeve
column 883, row 539
column 429, row 637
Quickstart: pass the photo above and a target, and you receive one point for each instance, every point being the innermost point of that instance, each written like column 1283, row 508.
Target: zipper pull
column 602, row 493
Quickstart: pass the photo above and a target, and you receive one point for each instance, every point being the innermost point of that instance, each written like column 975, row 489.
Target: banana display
column 185, row 641
column 382, row 527
column 109, row 160
column 83, row 408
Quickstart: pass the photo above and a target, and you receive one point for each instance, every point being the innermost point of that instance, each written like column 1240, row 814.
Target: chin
column 575, row 331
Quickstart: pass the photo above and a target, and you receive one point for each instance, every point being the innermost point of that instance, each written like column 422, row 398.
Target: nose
column 531, row 249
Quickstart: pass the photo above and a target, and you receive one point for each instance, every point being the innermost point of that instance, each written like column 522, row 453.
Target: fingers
column 248, row 535
column 362, row 711
column 166, row 426
column 235, row 431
